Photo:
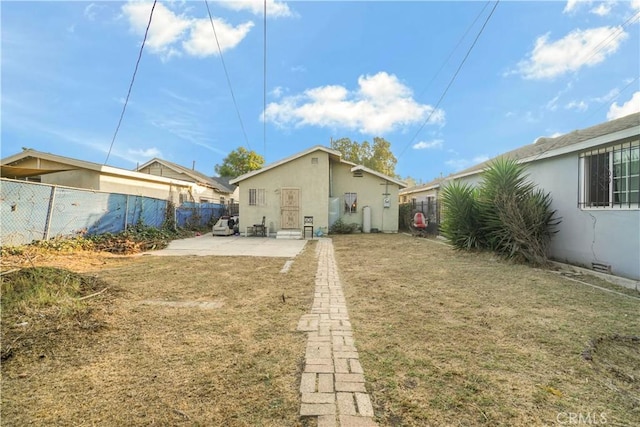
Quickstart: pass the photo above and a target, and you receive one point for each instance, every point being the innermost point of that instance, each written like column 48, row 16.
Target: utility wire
column 446, row 61
column 435, row 108
column 609, row 101
column 615, row 34
column 133, row 78
column 264, row 85
column 227, row 74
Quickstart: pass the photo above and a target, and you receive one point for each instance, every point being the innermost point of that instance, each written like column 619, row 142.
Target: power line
column 227, row 75
column 609, row 101
column 446, row 61
column 615, row 34
column 264, row 85
column 133, row 78
column 435, row 108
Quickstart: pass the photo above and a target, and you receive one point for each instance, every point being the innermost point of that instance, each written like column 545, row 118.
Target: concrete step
column 289, row 234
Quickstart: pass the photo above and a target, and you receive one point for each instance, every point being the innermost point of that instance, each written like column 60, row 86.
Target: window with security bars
column 350, row 202
column 257, row 197
column 610, row 176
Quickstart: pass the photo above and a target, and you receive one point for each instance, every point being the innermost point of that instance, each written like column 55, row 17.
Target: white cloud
column 274, row 8
column 577, row 49
column 552, row 105
column 168, row 29
column 577, row 105
column 424, row 145
column 203, row 43
column 603, row 9
column 631, row 106
column 635, row 4
column 380, row 104
column 459, row 164
column 573, row 4
column 147, row 153
column 613, row 93
column 277, row 92
column 91, row 10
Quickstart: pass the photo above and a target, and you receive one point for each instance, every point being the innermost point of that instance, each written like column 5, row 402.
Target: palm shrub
column 516, row 218
column 461, row 220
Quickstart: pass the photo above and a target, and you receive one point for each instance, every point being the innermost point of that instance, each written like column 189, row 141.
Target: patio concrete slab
column 208, row 244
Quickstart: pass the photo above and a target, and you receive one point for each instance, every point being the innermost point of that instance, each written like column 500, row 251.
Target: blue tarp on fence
column 33, row 211
column 197, row 215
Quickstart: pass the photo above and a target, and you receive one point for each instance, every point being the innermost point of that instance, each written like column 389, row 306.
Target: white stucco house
column 593, row 176
column 318, row 183
column 53, row 169
column 212, row 189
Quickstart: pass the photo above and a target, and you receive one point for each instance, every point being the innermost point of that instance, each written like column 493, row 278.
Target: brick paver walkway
column 332, row 384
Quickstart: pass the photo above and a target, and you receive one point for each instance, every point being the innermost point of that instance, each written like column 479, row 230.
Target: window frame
column 350, row 208
column 614, row 164
column 257, row 197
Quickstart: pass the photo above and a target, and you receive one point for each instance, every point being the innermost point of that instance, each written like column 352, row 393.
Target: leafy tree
column 376, row 156
column 238, row 162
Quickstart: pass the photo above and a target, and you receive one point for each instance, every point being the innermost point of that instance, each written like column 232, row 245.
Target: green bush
column 506, row 214
column 461, row 221
column 341, row 227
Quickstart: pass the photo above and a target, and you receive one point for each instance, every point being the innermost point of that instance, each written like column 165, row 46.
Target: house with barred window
column 311, row 190
column 593, row 176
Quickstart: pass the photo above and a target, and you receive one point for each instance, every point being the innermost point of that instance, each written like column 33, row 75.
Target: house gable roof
column 270, row 166
column 422, row 187
column 14, row 166
column 603, row 133
column 332, row 153
column 196, row 176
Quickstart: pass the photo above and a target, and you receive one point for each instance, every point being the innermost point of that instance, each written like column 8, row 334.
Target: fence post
column 126, row 212
column 47, row 224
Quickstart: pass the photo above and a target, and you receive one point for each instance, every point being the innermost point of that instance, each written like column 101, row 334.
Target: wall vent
column 601, row 268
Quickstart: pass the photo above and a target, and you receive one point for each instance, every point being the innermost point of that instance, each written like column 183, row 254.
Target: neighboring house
column 318, row 183
column 421, row 193
column 593, row 176
column 424, row 198
column 209, row 189
column 52, row 169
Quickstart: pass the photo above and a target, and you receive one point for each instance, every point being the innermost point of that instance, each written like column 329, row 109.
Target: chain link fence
column 33, row 211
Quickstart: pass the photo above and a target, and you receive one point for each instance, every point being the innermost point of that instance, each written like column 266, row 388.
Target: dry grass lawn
column 445, row 338
column 451, row 338
column 159, row 358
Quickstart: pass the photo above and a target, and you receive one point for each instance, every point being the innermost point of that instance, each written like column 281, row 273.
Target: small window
column 350, row 202
column 222, row 200
column 257, row 197
column 204, row 200
column 314, row 160
column 610, row 176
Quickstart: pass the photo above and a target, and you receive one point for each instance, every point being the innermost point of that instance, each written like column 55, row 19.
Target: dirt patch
column 173, row 363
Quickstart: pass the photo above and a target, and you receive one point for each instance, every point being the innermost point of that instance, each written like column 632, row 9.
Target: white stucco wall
column 81, row 178
column 597, row 235
column 602, row 235
column 369, row 189
column 311, row 178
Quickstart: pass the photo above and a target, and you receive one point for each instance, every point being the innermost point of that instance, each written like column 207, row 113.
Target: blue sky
column 334, row 69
